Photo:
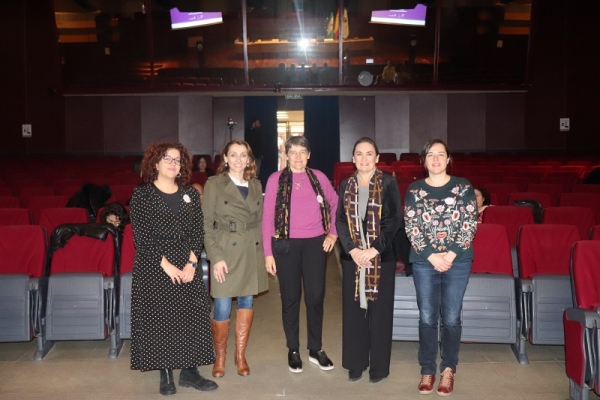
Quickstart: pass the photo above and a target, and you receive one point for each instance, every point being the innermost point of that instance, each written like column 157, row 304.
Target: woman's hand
column 187, row 275
column 329, row 242
column 363, row 258
column 174, row 273
column 450, row 256
column 440, row 262
column 270, row 265
column 219, row 271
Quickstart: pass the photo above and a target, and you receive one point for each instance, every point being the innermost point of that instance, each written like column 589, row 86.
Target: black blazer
column 392, row 222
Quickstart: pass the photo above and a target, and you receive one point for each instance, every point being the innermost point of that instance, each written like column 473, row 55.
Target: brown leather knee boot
column 243, row 324
column 220, row 334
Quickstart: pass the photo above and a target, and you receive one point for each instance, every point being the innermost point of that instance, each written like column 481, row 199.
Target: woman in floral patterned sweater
column 440, row 213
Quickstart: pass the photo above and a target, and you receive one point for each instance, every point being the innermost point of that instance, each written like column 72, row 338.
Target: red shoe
column 446, row 382
column 426, row 384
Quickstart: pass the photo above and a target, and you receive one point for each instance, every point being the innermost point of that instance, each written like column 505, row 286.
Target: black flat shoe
column 167, row 384
column 190, row 377
column 354, row 374
column 375, row 379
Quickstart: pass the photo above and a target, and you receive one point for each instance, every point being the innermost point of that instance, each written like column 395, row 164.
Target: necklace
column 299, row 183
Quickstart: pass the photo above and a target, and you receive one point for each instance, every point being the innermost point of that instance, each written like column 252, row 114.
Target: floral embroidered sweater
column 440, row 219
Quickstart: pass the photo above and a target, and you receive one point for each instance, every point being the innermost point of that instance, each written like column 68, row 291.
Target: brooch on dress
column 186, row 198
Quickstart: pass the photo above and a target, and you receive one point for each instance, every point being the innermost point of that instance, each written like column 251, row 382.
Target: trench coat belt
column 234, row 226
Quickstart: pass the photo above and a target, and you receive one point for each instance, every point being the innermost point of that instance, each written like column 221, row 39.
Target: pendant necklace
column 299, row 183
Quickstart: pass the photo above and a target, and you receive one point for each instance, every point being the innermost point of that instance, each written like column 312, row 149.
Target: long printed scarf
column 283, row 202
column 373, row 228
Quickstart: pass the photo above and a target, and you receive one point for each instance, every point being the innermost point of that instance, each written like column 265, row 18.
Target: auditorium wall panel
column 122, row 124
column 159, row 119
column 564, row 77
column 85, row 124
column 357, row 119
column 466, row 121
column 391, row 122
column 428, row 119
column 196, row 123
column 31, row 81
column 505, row 121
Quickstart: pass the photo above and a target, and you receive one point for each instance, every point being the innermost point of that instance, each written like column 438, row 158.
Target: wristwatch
column 194, row 264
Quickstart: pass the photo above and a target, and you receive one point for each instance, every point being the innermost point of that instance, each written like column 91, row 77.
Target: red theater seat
column 541, row 197
column 9, row 202
column 502, row 190
column 26, row 193
column 22, row 284
column 15, row 216
column 544, row 285
column 82, row 262
column 50, row 218
column 581, row 217
column 581, row 321
column 36, row 204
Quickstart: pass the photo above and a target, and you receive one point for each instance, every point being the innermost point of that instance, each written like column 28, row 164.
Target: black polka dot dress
column 170, row 323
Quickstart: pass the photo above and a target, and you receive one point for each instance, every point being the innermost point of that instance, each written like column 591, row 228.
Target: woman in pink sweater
column 298, row 229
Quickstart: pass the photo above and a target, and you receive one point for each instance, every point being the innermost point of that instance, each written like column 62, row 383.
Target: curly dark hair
column 155, row 152
column 249, row 171
column 116, row 209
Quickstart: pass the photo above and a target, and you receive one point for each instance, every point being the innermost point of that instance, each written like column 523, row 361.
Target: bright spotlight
column 303, row 44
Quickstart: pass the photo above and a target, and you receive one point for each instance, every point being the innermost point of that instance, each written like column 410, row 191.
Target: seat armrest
column 524, row 285
column 588, row 319
column 109, row 282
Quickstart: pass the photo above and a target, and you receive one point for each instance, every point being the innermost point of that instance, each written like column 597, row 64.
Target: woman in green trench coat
column 232, row 206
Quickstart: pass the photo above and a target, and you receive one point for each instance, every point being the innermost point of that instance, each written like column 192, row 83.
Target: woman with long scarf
column 368, row 219
column 298, row 232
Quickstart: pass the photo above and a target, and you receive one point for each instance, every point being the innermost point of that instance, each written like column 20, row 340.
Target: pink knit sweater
column 305, row 218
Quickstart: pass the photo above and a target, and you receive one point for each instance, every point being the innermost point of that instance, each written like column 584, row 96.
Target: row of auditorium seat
column 513, row 217
column 498, row 306
column 489, row 316
column 77, row 287
column 581, row 322
column 480, row 174
column 56, row 197
column 48, row 217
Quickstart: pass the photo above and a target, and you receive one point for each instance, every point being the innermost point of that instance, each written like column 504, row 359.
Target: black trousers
column 305, row 264
column 367, row 334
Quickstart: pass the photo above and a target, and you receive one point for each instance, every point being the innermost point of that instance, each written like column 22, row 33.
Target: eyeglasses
column 171, row 160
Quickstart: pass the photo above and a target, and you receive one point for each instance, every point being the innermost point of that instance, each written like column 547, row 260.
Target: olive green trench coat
column 233, row 234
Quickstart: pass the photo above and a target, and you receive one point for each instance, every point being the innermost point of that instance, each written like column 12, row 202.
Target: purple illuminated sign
column 180, row 20
column 414, row 16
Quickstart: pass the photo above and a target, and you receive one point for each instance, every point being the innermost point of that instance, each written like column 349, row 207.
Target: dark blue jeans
column 222, row 309
column 440, row 293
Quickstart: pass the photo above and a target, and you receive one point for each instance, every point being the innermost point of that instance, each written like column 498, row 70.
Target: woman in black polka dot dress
column 170, row 309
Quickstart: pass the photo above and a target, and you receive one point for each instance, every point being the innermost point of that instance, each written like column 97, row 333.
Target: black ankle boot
column 167, row 384
column 190, row 377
